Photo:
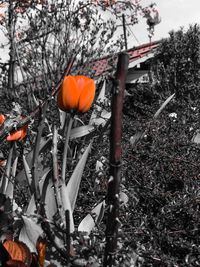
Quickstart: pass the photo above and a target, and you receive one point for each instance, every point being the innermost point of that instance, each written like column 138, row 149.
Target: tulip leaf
column 67, row 205
column 30, row 232
column 27, row 171
column 47, row 194
column 81, row 131
column 50, row 202
column 105, row 114
column 100, row 100
column 93, row 219
column 14, row 167
column 44, row 145
column 6, row 176
column 31, row 206
column 10, row 186
column 44, row 181
column 163, row 106
column 62, row 118
column 75, row 179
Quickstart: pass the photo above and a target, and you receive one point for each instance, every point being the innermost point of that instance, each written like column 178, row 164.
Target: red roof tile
column 102, row 66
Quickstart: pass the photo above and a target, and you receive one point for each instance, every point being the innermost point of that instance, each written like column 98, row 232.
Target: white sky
column 174, row 14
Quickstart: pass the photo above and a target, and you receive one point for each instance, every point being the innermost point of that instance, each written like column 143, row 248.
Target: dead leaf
column 41, row 246
column 18, row 251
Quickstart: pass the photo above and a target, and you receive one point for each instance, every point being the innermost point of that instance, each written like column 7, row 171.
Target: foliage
column 178, row 54
column 48, row 40
column 51, row 197
column 161, row 163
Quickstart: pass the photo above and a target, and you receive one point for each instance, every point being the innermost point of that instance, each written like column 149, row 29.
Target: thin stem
column 7, row 174
column 34, row 172
column 124, row 30
column 56, row 179
column 67, row 239
column 64, row 163
column 11, row 25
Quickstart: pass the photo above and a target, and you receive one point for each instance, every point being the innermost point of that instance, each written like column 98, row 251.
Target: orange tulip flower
column 76, row 92
column 17, row 135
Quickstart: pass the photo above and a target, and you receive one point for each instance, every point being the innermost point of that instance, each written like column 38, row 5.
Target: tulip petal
column 18, row 135
column 59, row 100
column 70, row 93
column 81, row 81
column 87, row 96
column 14, row 136
column 23, row 132
column 2, row 119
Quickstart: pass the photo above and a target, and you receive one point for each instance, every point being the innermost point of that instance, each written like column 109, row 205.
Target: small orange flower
column 76, row 92
column 17, row 135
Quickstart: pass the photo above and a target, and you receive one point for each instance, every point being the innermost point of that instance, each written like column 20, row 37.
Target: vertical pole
column 115, row 161
column 124, row 30
column 11, row 29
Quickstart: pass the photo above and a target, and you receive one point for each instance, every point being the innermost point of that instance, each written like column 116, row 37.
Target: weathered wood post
column 115, row 160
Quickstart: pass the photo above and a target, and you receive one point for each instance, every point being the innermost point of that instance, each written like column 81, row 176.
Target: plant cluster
column 46, row 158
column 50, row 202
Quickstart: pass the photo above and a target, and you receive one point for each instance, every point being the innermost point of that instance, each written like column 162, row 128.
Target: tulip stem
column 56, row 180
column 36, row 151
column 67, row 131
column 5, row 178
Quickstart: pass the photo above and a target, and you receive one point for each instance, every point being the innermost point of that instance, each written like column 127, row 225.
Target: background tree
column 177, row 65
column 44, row 35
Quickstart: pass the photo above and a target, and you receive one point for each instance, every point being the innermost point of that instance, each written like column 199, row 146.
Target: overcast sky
column 174, row 14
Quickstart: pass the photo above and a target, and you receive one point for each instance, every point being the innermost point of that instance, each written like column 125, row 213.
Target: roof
column 103, row 65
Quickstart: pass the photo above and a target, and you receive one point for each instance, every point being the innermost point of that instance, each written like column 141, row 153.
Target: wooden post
column 115, row 160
